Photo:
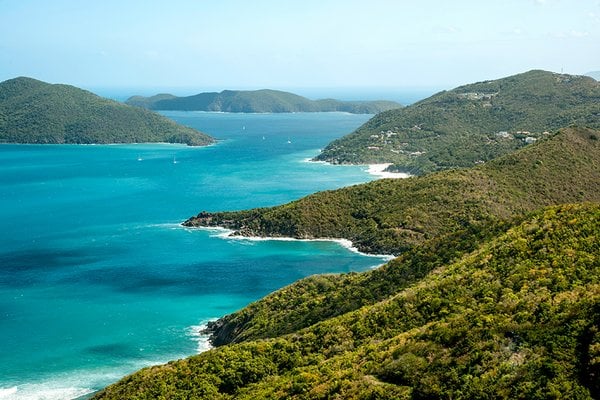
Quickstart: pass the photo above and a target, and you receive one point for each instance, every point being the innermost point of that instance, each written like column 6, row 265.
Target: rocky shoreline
column 207, row 220
column 221, row 332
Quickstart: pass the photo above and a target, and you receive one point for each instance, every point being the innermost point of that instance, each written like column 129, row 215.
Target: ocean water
column 97, row 277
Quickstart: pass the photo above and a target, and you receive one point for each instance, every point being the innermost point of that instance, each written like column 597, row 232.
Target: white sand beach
column 379, row 170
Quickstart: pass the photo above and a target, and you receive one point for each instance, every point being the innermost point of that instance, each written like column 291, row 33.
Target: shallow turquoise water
column 97, row 278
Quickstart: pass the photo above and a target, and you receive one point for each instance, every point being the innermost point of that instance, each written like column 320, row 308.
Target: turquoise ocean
column 98, row 278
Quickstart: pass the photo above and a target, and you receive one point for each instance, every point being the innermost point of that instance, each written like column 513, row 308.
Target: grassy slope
column 32, row 111
column 457, row 128
column 516, row 317
column 392, row 216
column 259, row 101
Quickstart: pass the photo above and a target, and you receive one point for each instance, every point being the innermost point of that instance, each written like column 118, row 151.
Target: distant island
column 32, row 111
column 471, row 124
column 257, row 101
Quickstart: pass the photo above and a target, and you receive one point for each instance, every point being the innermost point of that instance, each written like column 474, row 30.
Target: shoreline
column 200, row 334
column 377, row 170
column 227, row 234
column 380, row 170
column 75, row 389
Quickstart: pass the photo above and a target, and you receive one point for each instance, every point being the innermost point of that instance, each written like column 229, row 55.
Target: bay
column 98, row 278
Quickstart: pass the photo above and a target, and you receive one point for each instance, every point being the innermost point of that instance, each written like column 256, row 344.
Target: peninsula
column 494, row 290
column 32, row 111
column 391, row 216
column 496, row 296
column 471, row 124
column 257, row 101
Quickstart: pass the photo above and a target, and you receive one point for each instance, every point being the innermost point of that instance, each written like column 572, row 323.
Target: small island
column 257, row 101
column 32, row 111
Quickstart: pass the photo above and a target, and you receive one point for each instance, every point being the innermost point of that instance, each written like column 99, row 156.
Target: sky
column 241, row 44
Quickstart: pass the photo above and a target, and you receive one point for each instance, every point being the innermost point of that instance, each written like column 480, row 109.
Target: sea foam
column 5, row 392
column 379, row 170
column 43, row 391
column 198, row 334
column 227, row 234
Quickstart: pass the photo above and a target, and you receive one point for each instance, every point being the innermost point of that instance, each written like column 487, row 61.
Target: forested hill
column 392, row 215
column 494, row 294
column 512, row 314
column 33, row 111
column 257, row 101
column 472, row 123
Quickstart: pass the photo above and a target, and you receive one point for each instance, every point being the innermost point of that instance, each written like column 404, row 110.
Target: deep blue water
column 98, row 279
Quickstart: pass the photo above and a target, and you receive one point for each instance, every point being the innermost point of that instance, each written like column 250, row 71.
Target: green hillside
column 514, row 315
column 472, row 123
column 391, row 216
column 32, row 111
column 147, row 102
column 257, row 101
column 492, row 295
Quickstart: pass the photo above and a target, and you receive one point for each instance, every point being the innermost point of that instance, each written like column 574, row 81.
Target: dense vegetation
column 495, row 292
column 472, row 123
column 257, row 101
column 32, row 111
column 391, row 216
column 515, row 313
column 321, row 297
